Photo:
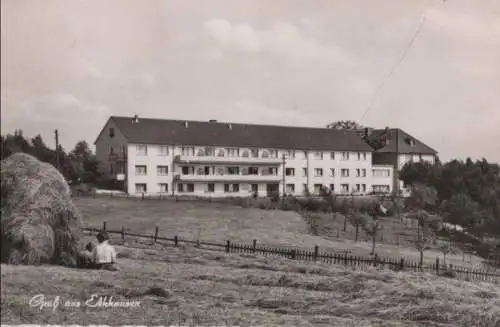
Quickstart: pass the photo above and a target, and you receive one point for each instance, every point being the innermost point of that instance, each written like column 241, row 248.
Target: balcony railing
column 226, row 160
column 228, row 177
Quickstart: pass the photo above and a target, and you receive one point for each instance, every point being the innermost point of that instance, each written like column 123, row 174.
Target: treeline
column 468, row 193
column 78, row 165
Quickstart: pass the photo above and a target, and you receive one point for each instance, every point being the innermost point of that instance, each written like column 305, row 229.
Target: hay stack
column 40, row 224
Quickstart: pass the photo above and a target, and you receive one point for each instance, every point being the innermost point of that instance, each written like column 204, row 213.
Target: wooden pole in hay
column 437, row 265
column 104, row 226
column 402, row 263
column 123, row 233
column 254, row 245
column 176, row 241
column 228, row 246
column 316, row 250
column 156, row 234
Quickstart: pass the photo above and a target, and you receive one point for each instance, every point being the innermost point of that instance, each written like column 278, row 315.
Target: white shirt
column 104, row 253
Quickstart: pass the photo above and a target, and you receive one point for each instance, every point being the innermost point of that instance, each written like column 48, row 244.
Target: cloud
column 60, row 107
column 283, row 39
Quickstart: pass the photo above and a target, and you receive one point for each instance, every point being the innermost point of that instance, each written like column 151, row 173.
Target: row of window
column 290, row 188
column 210, row 170
column 164, row 150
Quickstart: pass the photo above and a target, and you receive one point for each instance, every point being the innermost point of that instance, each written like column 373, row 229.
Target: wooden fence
column 330, row 257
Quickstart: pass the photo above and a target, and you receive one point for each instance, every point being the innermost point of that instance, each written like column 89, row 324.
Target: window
column 163, row 187
column 273, row 153
column 363, row 188
column 209, row 151
column 317, row 188
column 161, row 170
column 304, row 172
column 187, row 170
column 188, row 151
column 290, row 154
column 332, row 187
column 363, row 172
column 255, row 188
column 233, row 152
column 210, row 188
column 141, row 149
column 163, row 150
column 189, row 188
column 245, row 154
column 254, row 153
column 233, row 170
column 290, row 172
column 359, row 156
column 140, row 170
column 381, row 172
column 290, row 188
column 270, row 171
column 219, row 171
column 345, row 188
column 111, row 150
column 345, row 155
column 358, row 188
column 332, row 172
column 220, row 153
column 200, row 153
column 358, row 172
column 253, row 171
column 231, row 188
column 364, row 155
column 265, row 154
column 380, row 188
column 318, row 155
column 318, row 172
column 141, row 188
column 344, row 172
column 111, row 132
column 332, row 155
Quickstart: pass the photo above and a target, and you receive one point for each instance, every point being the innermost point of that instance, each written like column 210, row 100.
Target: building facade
column 395, row 148
column 215, row 159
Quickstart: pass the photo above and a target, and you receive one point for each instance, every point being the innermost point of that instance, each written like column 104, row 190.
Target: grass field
column 185, row 283
column 220, row 222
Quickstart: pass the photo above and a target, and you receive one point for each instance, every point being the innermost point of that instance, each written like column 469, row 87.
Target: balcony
column 226, row 160
column 227, row 178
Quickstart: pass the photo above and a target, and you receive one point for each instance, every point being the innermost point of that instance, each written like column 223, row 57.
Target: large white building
column 154, row 156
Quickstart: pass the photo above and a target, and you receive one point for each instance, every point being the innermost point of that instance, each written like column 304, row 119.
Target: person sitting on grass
column 104, row 254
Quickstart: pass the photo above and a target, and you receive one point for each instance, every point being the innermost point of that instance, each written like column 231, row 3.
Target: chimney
column 136, row 119
column 213, row 120
column 186, row 124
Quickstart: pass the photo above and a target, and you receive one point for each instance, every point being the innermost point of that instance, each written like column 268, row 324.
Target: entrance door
column 272, row 189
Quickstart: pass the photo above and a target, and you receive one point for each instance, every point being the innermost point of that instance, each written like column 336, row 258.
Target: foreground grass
column 220, row 222
column 214, row 288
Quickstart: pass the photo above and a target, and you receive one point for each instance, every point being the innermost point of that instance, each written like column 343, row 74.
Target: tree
column 461, row 210
column 371, row 225
column 345, row 125
column 445, row 249
column 428, row 224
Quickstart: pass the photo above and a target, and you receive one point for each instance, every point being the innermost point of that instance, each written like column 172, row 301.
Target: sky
column 70, row 64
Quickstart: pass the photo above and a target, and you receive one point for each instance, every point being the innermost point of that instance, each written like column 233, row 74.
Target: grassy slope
column 219, row 222
column 259, row 290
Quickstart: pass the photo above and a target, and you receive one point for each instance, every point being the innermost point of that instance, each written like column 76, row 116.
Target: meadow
column 220, row 222
column 189, row 286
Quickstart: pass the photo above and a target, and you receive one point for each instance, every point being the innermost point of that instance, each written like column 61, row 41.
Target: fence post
column 316, row 250
column 437, row 265
column 294, row 254
column 402, row 263
column 104, row 226
column 156, row 233
column 228, row 246
column 254, row 245
column 142, row 196
column 375, row 257
column 176, row 240
column 123, row 233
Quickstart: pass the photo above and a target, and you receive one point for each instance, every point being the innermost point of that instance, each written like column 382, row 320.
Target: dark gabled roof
column 399, row 142
column 174, row 132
